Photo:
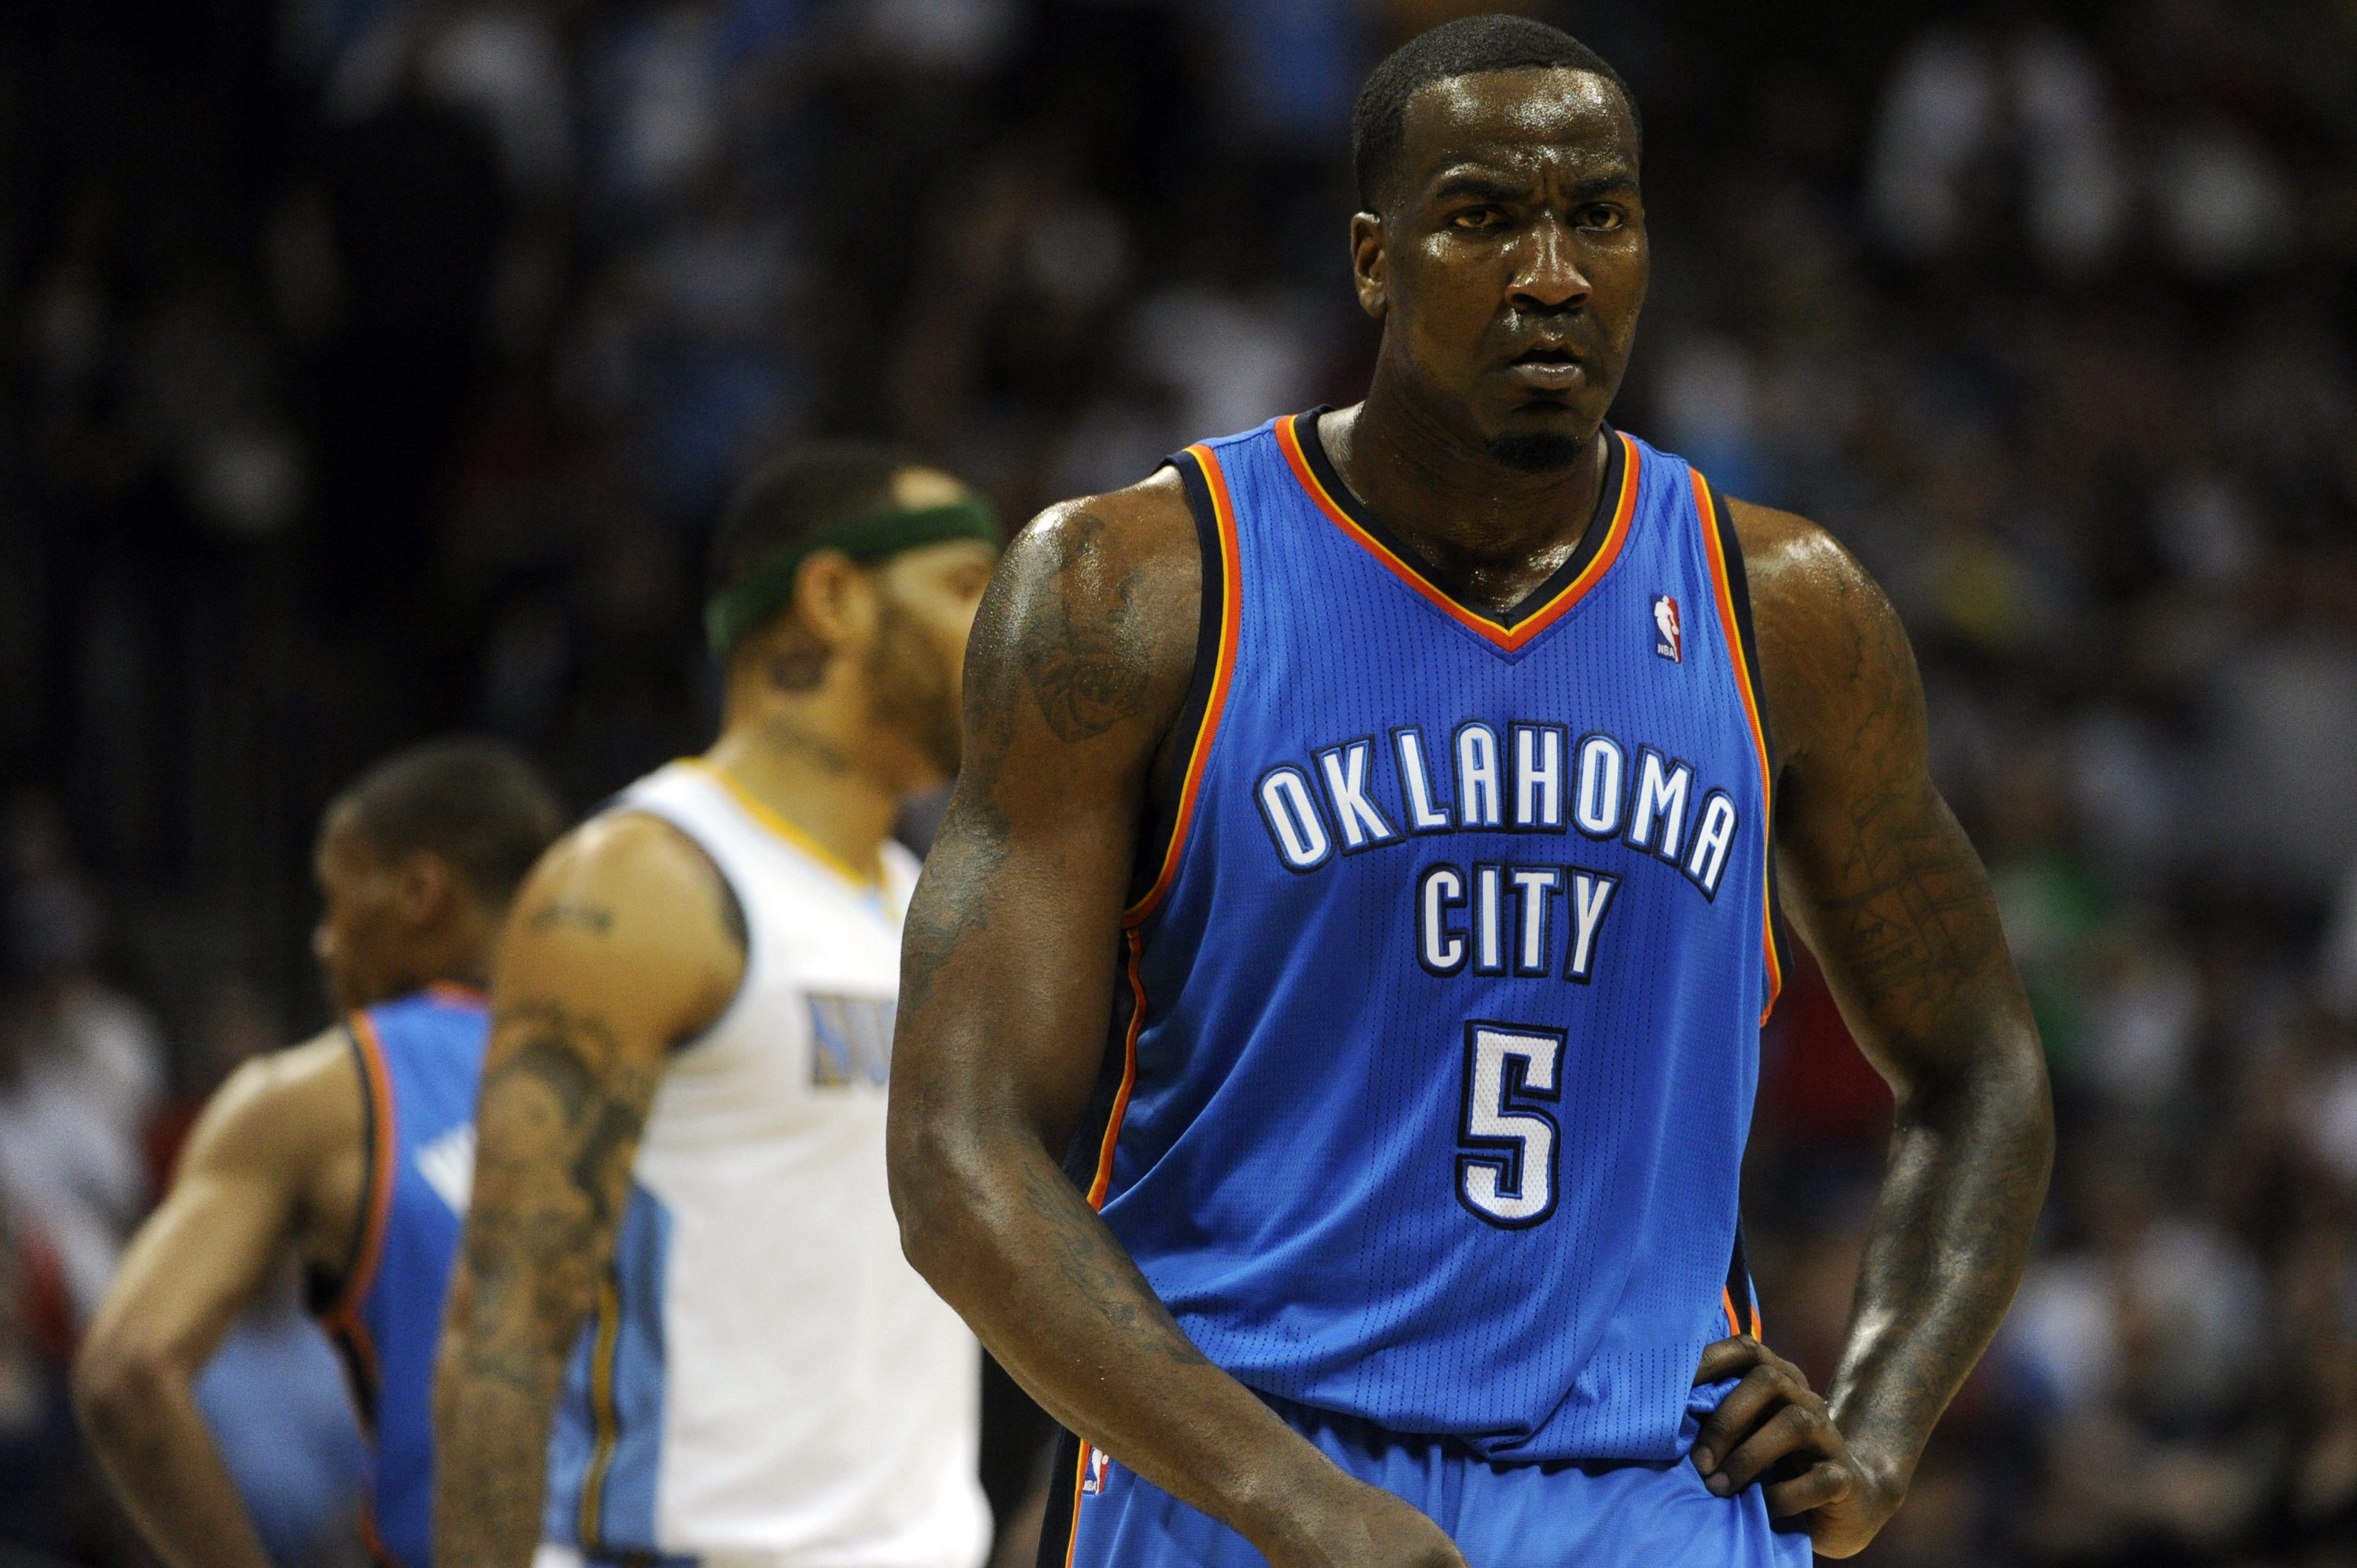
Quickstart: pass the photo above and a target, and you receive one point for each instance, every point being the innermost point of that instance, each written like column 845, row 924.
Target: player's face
column 927, row 598
column 358, row 919
column 1511, row 263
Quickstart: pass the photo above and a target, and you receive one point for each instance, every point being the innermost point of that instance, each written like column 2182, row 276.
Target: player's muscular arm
column 1078, row 663
column 1889, row 893
column 624, row 941
column 258, row 1173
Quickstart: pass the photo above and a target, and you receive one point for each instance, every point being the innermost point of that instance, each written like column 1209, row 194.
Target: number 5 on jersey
column 1506, row 1174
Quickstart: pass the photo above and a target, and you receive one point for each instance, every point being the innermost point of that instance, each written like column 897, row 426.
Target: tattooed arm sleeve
column 1885, row 887
column 1079, row 662
column 622, row 944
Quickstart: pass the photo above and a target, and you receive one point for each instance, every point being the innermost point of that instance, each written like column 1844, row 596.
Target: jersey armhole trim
column 1206, row 486
column 1732, row 594
column 345, row 1319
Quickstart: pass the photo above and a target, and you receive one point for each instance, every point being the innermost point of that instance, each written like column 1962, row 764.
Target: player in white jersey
column 682, row 1325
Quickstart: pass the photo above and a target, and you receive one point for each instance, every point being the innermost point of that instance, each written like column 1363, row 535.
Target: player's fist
column 1359, row 1526
column 1773, row 1424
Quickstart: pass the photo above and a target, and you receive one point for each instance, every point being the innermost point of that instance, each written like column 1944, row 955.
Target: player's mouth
column 1548, row 367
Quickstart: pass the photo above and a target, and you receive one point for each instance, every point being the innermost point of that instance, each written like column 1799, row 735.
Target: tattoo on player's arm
column 595, row 919
column 1913, row 930
column 1906, row 912
column 1083, row 646
column 951, row 902
column 1900, row 908
column 1100, row 1273
column 561, row 1110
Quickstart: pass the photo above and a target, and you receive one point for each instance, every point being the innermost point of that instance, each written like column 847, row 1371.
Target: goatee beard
column 1536, row 451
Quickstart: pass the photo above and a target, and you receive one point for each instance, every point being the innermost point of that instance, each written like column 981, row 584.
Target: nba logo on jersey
column 1669, row 646
column 1092, row 1479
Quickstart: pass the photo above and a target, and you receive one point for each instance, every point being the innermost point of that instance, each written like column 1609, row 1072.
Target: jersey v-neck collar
column 1599, row 546
column 767, row 819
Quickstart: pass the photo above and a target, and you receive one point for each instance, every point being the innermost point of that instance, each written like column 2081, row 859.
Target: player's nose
column 1546, row 269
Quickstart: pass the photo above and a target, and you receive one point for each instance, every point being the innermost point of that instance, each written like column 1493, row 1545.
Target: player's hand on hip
column 1773, row 1425
column 1360, row 1526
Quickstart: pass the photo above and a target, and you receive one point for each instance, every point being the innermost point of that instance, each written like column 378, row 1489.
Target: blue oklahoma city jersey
column 1437, row 1041
column 420, row 1060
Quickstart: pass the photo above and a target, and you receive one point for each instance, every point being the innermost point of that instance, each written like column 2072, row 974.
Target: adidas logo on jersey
column 1669, row 639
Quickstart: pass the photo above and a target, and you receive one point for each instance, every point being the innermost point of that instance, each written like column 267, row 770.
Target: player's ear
column 1367, row 264
column 424, row 887
column 834, row 599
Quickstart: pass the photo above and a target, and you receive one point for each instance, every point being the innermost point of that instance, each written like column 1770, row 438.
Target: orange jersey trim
column 344, row 1318
column 1079, row 1478
column 1230, row 587
column 1723, row 596
column 373, row 1543
column 1104, row 1180
column 1510, row 638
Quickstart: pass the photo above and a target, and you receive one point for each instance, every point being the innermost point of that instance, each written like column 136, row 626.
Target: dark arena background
column 374, row 368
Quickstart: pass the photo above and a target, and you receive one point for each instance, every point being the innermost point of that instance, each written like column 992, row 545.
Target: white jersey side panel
column 817, row 1403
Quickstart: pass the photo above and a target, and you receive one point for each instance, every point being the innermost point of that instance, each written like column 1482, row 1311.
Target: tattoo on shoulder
column 1085, row 650
column 595, row 919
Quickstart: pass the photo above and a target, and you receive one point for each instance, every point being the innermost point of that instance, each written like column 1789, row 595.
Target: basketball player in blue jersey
column 681, row 1283
column 351, row 1152
column 1428, row 771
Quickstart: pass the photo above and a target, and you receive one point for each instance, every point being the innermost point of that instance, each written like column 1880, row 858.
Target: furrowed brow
column 1480, row 187
column 1613, row 184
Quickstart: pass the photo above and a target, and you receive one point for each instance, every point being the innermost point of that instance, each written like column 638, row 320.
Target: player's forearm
column 152, row 1439
column 1006, row 1238
column 494, row 1397
column 565, row 1094
column 1948, row 1241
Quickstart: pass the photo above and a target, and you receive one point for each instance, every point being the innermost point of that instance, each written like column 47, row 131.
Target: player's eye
column 1601, row 216
column 1475, row 217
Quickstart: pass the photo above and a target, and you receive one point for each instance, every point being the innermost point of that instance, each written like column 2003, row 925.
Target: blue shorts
column 1566, row 1515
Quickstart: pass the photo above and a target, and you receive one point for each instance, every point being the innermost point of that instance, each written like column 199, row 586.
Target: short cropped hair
column 809, row 486
column 477, row 803
column 1472, row 46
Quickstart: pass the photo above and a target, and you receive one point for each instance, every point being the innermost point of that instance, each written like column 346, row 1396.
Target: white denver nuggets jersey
column 766, row 1380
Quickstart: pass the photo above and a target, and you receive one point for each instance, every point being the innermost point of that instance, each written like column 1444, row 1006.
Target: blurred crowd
column 370, row 368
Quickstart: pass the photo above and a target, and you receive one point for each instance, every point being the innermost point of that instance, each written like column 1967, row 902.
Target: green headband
column 734, row 611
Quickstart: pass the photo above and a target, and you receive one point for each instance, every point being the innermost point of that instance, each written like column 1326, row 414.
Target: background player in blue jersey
column 1417, row 764
column 351, row 1152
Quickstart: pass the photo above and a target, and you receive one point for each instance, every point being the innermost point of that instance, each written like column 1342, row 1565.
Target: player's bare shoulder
column 628, row 895
column 1832, row 651
column 289, row 1105
column 1091, row 621
column 298, row 1119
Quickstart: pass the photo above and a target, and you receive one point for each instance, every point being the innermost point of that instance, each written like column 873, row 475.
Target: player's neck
column 1467, row 511
column 824, row 784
